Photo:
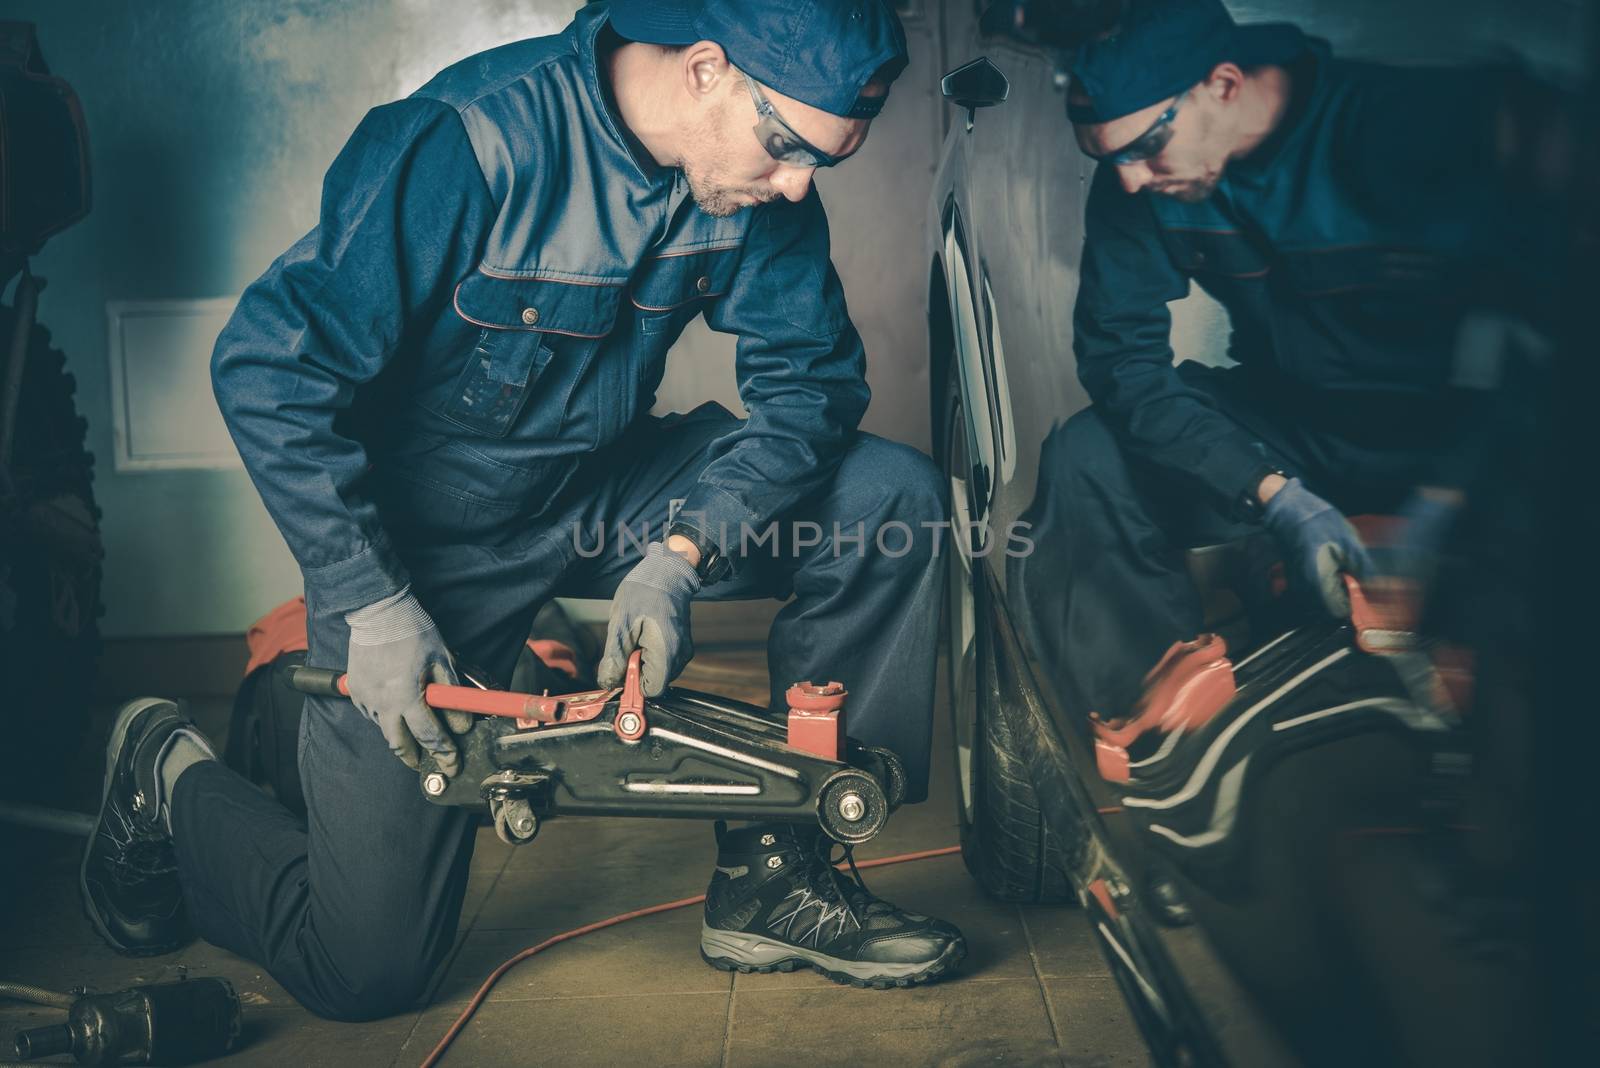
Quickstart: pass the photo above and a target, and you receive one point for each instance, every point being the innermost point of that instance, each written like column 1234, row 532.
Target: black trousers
column 353, row 910
column 1105, row 590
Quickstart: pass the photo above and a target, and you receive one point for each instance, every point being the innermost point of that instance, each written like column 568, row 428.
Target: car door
column 1012, row 238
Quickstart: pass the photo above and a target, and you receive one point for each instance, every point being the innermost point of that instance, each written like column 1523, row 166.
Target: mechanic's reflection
column 1340, row 211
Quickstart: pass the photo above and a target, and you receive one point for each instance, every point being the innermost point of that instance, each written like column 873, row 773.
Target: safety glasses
column 779, row 138
column 1149, row 144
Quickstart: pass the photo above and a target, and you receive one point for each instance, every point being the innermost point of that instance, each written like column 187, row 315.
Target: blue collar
column 587, row 26
column 1307, row 73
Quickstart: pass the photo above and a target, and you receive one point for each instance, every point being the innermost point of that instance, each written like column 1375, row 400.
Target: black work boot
column 129, row 876
column 776, row 903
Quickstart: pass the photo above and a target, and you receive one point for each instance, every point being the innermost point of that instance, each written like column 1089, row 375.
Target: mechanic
column 1337, row 211
column 445, row 382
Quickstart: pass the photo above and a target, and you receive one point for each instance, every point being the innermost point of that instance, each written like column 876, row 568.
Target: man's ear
column 705, row 68
column 1225, row 82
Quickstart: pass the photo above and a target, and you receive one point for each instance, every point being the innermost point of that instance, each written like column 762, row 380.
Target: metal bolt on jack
column 434, row 784
column 852, row 808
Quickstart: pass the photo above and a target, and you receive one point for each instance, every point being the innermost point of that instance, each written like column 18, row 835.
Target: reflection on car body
column 1281, row 843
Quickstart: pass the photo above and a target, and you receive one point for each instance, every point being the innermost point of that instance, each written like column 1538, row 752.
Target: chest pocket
column 1380, row 316
column 536, row 335
column 1216, row 254
column 675, row 283
column 1409, row 273
column 667, row 292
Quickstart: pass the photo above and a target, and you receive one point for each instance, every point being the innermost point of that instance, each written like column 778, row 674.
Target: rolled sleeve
column 404, row 214
column 801, row 371
column 1122, row 340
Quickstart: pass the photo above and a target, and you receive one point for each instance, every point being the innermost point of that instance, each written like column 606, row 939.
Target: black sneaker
column 776, row 903
column 129, row 876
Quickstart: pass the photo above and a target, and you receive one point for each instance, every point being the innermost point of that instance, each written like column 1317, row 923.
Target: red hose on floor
column 495, row 976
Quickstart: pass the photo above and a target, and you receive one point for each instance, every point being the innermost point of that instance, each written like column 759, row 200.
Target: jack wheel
column 894, row 775
column 852, row 807
column 514, row 821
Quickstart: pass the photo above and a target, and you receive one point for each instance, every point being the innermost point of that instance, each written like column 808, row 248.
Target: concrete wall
column 211, row 124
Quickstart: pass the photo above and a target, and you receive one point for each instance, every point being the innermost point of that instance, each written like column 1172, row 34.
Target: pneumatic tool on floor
column 181, row 1022
column 684, row 754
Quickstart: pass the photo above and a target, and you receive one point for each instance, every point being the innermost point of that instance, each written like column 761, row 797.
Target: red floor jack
column 684, row 754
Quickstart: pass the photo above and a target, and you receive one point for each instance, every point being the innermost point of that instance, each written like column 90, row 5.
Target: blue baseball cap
column 819, row 52
column 1162, row 47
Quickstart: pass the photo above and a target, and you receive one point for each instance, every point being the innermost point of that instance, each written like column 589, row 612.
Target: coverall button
column 530, row 315
column 702, row 283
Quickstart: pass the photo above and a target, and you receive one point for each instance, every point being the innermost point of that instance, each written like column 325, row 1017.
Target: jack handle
column 508, row 704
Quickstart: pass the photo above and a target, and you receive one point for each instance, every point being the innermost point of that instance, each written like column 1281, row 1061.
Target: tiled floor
column 1034, row 990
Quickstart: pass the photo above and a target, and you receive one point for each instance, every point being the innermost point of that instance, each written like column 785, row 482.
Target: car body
column 1321, row 910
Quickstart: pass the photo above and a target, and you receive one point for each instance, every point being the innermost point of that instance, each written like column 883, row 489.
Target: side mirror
column 975, row 85
column 978, row 84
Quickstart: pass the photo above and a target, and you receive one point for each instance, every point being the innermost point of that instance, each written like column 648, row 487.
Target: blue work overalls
column 446, row 384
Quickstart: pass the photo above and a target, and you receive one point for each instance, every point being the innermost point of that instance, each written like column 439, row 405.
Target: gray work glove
column 1319, row 545
column 650, row 611
column 395, row 651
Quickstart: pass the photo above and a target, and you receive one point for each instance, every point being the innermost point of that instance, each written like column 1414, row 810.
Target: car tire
column 1005, row 839
column 50, row 555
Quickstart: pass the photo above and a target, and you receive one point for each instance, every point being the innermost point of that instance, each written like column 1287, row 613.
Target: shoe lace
column 832, row 885
column 137, row 855
column 138, row 861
